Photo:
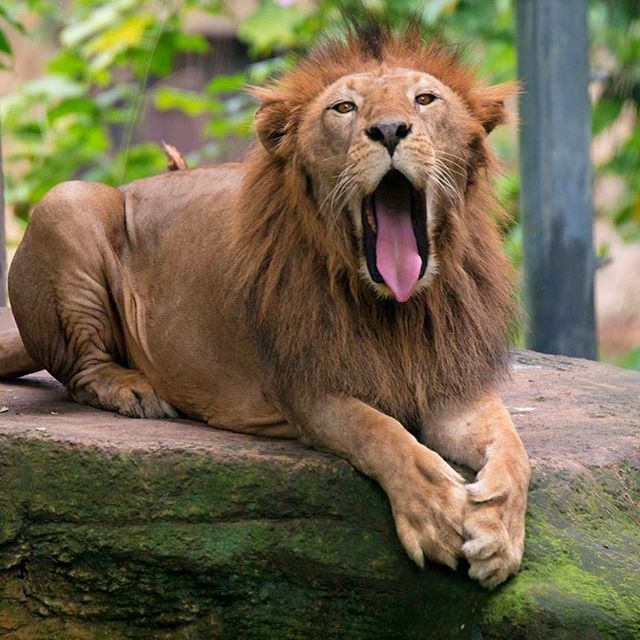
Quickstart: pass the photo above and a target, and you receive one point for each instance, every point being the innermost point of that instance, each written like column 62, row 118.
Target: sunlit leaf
column 190, row 102
column 193, row 42
column 271, row 27
column 76, row 106
column 101, row 18
column 112, row 42
column 54, row 87
column 67, row 63
column 226, row 84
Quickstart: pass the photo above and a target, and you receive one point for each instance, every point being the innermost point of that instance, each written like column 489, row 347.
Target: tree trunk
column 556, row 198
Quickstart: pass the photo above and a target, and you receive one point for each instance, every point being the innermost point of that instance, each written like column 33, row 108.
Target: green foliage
column 273, row 26
column 62, row 124
column 631, row 360
column 5, row 48
column 615, row 30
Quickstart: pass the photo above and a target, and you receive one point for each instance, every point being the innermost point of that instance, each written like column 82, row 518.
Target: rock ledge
column 112, row 528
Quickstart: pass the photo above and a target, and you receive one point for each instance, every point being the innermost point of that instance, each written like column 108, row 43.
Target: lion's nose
column 389, row 134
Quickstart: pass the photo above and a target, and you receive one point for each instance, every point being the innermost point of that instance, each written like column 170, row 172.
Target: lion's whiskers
column 462, row 165
column 333, row 204
column 443, row 169
column 445, row 183
column 342, row 183
column 345, row 196
column 462, row 161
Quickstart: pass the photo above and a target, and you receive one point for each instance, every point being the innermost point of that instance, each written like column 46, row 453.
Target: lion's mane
column 319, row 327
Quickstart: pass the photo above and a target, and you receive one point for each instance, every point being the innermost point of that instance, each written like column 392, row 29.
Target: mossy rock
column 114, row 529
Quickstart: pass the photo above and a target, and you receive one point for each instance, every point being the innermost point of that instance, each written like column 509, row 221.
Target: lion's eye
column 425, row 98
column 344, row 107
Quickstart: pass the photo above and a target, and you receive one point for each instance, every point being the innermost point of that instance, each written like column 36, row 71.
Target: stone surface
column 112, row 528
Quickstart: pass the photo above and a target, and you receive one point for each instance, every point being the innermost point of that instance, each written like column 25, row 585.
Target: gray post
column 3, row 242
column 556, row 198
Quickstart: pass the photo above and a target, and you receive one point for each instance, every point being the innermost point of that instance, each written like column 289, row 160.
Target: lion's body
column 234, row 295
column 160, row 278
column 177, row 317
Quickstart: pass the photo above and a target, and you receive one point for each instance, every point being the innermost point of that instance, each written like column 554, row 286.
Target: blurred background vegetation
column 90, row 87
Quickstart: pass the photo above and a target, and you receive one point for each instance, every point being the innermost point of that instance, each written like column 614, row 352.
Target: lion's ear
column 489, row 104
column 272, row 121
column 271, row 127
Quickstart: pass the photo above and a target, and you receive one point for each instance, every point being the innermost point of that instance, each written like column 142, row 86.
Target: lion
column 343, row 285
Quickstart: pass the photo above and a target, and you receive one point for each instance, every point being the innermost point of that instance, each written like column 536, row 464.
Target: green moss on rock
column 180, row 542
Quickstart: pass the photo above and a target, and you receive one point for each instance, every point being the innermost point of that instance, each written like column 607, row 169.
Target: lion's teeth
column 371, row 218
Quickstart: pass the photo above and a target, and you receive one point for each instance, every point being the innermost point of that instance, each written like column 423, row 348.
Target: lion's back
column 179, row 202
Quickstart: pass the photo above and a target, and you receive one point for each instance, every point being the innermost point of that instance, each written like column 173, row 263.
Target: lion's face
column 389, row 150
column 386, row 148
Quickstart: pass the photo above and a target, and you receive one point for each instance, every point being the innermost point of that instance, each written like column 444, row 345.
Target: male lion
column 343, row 285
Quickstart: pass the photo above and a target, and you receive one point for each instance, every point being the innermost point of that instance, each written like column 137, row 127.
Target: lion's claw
column 493, row 532
column 428, row 504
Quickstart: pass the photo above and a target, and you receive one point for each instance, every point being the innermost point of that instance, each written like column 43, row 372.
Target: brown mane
column 320, row 328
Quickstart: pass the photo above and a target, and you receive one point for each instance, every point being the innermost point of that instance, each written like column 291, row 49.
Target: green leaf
column 238, row 124
column 28, row 131
column 226, row 84
column 114, row 94
column 101, row 19
column 5, row 47
column 126, row 34
column 162, row 58
column 190, row 102
column 191, row 42
column 67, row 63
column 631, row 360
column 53, row 87
column 4, row 13
column 76, row 106
column 142, row 160
column 604, row 114
column 272, row 27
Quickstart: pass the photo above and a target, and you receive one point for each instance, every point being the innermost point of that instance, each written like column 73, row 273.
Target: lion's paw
column 142, row 401
column 125, row 391
column 493, row 532
column 428, row 500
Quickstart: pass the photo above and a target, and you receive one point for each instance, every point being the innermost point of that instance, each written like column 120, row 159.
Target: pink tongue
column 397, row 256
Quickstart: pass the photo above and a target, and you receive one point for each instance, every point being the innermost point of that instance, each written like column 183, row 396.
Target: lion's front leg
column 427, row 496
column 484, row 439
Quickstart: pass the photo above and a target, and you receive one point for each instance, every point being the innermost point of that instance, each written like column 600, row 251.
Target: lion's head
column 364, row 240
column 389, row 132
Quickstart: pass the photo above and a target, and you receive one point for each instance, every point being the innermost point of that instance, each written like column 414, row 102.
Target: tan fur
column 14, row 360
column 237, row 294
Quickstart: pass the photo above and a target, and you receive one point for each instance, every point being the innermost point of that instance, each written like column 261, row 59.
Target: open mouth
column 394, row 219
